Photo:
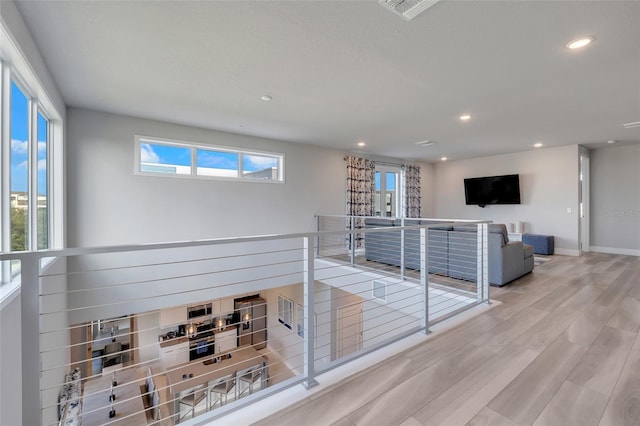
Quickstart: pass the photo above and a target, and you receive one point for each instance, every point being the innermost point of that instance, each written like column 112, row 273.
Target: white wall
column 615, row 200
column 280, row 339
column 108, row 204
column 148, row 325
column 10, row 363
column 286, row 342
column 548, row 185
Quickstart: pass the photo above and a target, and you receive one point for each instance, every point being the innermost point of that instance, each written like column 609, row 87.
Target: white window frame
column 14, row 68
column 285, row 313
column 383, row 169
column 194, row 147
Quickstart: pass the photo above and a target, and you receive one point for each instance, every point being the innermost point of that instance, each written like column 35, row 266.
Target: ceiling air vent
column 408, row 9
column 631, row 125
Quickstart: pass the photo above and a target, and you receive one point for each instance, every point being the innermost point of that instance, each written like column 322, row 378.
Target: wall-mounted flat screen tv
column 483, row 191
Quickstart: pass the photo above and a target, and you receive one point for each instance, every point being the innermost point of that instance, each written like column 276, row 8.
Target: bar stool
column 248, row 376
column 221, row 387
column 192, row 398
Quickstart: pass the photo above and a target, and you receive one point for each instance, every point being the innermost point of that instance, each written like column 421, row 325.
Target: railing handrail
column 445, row 220
column 78, row 251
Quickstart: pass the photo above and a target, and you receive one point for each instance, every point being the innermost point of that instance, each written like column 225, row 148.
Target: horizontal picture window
column 184, row 159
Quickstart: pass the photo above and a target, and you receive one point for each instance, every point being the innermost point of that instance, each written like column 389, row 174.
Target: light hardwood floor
column 561, row 349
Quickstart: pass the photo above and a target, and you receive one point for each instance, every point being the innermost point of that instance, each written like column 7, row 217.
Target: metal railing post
column 424, row 277
column 318, row 236
column 30, row 325
column 482, row 287
column 353, row 241
column 402, row 243
column 308, row 324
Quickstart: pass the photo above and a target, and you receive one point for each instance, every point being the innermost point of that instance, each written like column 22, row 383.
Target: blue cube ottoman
column 542, row 244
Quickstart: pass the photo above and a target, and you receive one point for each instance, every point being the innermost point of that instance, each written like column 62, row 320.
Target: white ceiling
column 341, row 72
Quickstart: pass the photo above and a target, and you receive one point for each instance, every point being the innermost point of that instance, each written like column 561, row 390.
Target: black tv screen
column 492, row 190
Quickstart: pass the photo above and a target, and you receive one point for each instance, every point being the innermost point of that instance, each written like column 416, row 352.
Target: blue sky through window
column 19, row 140
column 390, row 181
column 217, row 159
column 205, row 158
column 20, row 144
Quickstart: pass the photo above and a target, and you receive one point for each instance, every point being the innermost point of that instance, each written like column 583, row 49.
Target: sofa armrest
column 507, row 264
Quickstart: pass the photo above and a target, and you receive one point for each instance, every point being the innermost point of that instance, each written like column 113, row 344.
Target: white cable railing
column 272, row 312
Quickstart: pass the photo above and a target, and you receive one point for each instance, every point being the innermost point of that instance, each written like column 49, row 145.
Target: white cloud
column 42, row 146
column 42, row 164
column 261, row 162
column 147, row 155
column 19, row 147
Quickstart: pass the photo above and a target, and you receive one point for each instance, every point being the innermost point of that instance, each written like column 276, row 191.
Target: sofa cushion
column 465, row 228
column 495, row 228
column 528, row 250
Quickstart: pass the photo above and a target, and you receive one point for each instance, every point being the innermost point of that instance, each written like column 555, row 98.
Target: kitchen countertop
column 174, row 341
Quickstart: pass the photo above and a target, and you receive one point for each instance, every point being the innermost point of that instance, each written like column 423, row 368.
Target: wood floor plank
column 525, row 397
column 460, row 403
column 444, row 344
column 345, row 421
column 488, row 417
column 507, row 331
column 573, row 405
column 601, row 365
column 545, row 331
column 411, row 421
column 585, row 296
column 627, row 316
column 400, row 402
column 555, row 298
column 623, row 408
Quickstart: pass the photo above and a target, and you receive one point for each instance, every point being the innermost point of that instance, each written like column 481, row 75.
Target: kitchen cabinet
column 226, row 306
column 173, row 317
column 226, row 340
column 173, row 355
column 222, row 307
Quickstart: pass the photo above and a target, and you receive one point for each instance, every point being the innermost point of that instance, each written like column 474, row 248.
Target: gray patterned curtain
column 412, row 196
column 361, row 190
column 361, row 186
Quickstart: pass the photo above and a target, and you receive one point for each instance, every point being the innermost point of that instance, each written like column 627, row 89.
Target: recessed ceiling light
column 537, row 145
column 465, row 117
column 361, row 143
column 425, row 143
column 443, row 159
column 611, row 141
column 580, row 42
column 266, row 97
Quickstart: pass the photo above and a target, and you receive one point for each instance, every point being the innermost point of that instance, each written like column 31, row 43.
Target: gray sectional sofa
column 452, row 250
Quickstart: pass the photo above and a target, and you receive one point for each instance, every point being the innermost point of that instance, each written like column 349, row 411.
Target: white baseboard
column 614, row 250
column 566, row 252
